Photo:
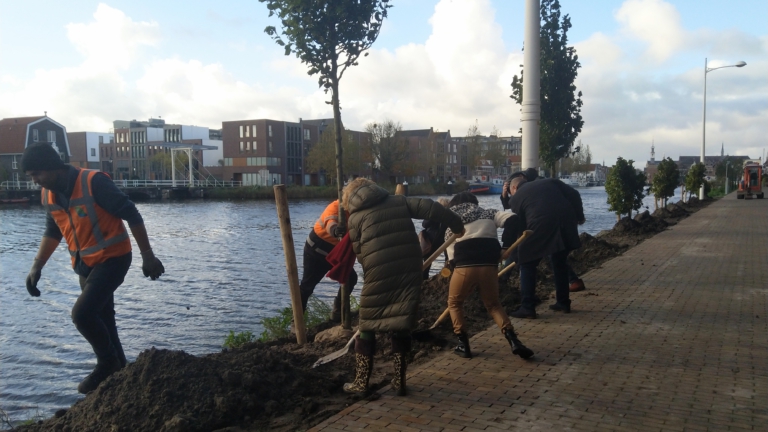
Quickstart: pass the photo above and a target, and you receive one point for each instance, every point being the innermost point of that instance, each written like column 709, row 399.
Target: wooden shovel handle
column 439, row 250
column 509, row 250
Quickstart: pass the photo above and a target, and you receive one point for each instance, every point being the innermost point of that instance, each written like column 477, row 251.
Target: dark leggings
column 94, row 311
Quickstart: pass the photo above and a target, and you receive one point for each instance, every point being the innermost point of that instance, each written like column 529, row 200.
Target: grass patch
column 236, row 340
column 317, row 312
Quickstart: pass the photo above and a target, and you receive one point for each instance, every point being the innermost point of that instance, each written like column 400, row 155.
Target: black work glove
column 151, row 266
column 33, row 277
column 339, row 230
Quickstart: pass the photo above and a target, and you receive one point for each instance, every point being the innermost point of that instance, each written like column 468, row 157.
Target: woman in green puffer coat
column 387, row 246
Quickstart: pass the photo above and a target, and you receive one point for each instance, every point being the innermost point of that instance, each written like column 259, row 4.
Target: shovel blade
column 336, row 354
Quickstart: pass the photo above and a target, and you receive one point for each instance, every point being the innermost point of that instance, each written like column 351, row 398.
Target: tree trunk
column 346, row 316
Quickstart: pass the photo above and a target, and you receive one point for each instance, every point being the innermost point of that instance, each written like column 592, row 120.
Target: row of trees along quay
column 626, row 187
column 329, row 37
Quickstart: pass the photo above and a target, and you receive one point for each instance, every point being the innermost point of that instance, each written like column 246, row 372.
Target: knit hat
column 41, row 157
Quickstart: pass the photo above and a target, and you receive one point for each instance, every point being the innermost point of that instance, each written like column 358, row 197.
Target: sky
column 442, row 64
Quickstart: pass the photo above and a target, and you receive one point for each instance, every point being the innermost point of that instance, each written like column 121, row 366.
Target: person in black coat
column 552, row 210
column 575, row 283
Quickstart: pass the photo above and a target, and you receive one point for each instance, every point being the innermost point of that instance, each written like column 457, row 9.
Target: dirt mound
column 676, row 210
column 272, row 386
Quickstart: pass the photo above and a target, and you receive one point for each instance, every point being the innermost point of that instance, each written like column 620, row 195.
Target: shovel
column 336, row 354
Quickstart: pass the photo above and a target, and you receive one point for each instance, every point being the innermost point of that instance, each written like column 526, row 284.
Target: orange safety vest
column 88, row 229
column 331, row 213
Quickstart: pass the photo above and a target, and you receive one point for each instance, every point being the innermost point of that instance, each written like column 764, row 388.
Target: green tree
column 561, row 120
column 624, row 186
column 388, row 148
column 329, row 36
column 695, row 178
column 666, row 180
column 322, row 156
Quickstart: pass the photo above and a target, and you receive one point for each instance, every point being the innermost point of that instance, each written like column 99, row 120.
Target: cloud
column 462, row 72
column 112, row 40
column 655, row 22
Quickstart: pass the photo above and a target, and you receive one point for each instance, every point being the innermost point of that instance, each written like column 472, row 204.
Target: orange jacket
column 331, row 213
column 87, row 228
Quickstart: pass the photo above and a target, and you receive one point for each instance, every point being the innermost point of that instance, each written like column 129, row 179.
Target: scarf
column 469, row 212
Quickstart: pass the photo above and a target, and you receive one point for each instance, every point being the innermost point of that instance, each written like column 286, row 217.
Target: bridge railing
column 29, row 185
column 18, row 185
column 176, row 183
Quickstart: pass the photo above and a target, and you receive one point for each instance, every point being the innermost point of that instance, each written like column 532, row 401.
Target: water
column 225, row 270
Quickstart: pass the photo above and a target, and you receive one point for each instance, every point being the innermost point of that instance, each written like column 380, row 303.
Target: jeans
column 94, row 311
column 528, row 280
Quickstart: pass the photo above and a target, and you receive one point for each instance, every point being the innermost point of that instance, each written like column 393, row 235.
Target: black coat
column 552, row 210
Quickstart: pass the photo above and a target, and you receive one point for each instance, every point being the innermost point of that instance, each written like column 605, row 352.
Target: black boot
column 462, row 349
column 561, row 306
column 336, row 310
column 398, row 382
column 363, row 369
column 517, row 347
column 105, row 366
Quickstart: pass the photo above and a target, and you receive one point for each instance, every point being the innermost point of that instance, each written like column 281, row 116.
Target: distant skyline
column 441, row 64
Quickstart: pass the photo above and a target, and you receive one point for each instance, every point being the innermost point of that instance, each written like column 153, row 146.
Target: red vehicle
column 752, row 182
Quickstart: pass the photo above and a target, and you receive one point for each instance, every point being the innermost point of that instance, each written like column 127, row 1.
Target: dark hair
column 461, row 198
column 530, row 174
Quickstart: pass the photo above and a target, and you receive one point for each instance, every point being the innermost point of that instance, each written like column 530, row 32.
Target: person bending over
column 384, row 239
column 475, row 258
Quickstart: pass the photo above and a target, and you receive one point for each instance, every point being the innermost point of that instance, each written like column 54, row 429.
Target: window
column 270, row 147
column 14, row 164
column 248, row 146
column 247, row 132
column 270, row 131
column 101, row 139
column 93, row 152
column 35, row 136
column 254, row 131
column 306, row 134
column 241, row 146
column 241, row 131
column 51, row 136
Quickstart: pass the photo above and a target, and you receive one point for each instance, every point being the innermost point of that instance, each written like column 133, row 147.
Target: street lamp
column 726, row 177
column 704, row 116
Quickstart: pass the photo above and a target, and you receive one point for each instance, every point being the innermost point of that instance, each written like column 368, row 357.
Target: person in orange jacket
column 86, row 209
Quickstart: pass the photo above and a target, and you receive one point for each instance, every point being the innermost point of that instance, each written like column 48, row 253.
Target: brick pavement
column 670, row 336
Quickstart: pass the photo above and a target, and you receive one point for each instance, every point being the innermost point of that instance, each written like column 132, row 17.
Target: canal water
column 225, row 270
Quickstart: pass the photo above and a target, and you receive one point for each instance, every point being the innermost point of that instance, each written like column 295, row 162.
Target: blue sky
column 442, row 64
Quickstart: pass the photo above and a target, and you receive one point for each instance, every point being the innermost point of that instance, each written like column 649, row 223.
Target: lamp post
column 704, row 116
column 726, row 177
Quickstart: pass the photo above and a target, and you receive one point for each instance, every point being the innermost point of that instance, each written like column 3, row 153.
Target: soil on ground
column 272, row 386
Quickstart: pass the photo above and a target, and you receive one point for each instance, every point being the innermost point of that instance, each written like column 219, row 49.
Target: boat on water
column 24, row 200
column 480, row 188
column 570, row 181
column 496, row 186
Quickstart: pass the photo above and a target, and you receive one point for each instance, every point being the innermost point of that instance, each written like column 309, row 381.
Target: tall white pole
column 704, row 126
column 531, row 113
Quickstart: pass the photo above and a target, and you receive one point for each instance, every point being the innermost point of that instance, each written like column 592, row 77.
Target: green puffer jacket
column 385, row 241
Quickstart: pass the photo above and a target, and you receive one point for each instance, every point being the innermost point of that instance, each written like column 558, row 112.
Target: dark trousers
column 315, row 269
column 528, row 280
column 94, row 311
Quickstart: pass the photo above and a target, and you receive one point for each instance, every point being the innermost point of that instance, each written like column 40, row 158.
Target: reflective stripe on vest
column 86, row 201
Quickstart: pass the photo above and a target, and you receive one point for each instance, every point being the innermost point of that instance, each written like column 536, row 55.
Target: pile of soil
column 272, row 386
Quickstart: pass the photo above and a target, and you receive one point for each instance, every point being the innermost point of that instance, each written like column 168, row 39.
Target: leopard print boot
column 398, row 382
column 363, row 369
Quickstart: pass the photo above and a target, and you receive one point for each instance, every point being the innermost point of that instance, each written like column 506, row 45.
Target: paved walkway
column 670, row 336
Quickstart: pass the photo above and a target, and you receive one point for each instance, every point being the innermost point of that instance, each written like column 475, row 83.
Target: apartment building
column 17, row 133
column 86, row 148
column 138, row 149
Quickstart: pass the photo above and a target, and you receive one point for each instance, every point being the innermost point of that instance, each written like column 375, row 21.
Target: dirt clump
column 272, row 386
